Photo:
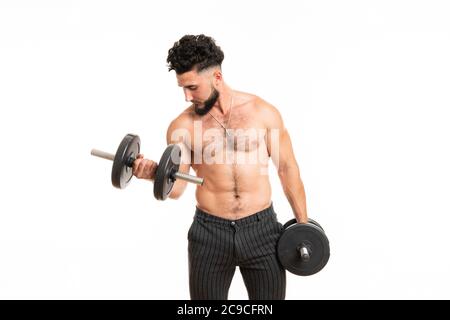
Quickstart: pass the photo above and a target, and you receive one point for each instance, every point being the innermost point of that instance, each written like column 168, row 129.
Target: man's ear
column 217, row 76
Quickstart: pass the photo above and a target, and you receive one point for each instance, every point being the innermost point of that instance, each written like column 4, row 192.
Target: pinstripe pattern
column 217, row 246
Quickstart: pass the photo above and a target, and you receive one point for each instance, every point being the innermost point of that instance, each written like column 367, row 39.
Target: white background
column 363, row 87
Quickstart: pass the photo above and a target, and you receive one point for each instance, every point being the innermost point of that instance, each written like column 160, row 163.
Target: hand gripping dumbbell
column 303, row 248
column 166, row 172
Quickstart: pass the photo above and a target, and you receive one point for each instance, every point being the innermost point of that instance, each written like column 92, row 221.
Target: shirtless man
column 227, row 137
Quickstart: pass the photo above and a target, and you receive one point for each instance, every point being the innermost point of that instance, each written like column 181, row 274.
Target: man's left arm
column 280, row 150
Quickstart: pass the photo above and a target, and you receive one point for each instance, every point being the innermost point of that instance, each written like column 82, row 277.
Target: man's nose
column 187, row 95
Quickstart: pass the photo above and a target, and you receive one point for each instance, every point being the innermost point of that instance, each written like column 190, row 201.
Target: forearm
column 177, row 189
column 295, row 192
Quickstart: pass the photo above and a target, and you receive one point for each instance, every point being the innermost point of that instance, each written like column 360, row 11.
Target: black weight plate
column 314, row 222
column 293, row 221
column 289, row 223
column 169, row 164
column 316, row 241
column 121, row 173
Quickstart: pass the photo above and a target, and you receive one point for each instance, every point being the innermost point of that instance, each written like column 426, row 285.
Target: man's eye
column 192, row 88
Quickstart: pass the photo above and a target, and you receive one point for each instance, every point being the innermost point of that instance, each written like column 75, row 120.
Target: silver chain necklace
column 229, row 117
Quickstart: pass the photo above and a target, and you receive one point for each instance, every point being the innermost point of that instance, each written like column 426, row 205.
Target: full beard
column 208, row 104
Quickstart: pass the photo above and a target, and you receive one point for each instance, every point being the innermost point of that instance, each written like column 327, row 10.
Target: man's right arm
column 177, row 133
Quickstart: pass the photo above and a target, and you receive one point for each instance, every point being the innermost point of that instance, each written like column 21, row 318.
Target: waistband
column 269, row 211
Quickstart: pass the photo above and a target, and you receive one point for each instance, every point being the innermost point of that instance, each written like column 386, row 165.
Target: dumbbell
column 166, row 172
column 303, row 248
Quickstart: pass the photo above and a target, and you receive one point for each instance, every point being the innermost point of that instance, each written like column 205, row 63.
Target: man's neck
column 223, row 104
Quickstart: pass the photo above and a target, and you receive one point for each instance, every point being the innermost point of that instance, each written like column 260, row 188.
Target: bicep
column 181, row 137
column 281, row 150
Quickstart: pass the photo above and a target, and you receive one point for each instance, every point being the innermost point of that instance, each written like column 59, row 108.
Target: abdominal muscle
column 233, row 191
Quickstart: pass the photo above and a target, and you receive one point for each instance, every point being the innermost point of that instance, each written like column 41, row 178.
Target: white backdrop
column 363, row 87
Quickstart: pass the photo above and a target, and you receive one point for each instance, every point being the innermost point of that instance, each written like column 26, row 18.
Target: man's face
column 199, row 89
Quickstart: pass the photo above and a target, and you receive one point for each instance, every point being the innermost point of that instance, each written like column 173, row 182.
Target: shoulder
column 267, row 112
column 184, row 120
column 256, row 102
column 181, row 126
column 259, row 104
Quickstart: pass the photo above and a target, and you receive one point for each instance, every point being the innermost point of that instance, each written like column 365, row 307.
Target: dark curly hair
column 192, row 51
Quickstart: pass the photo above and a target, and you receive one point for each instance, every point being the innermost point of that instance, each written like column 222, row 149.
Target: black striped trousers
column 217, row 246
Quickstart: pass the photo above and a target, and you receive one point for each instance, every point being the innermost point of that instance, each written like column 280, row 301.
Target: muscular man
column 227, row 137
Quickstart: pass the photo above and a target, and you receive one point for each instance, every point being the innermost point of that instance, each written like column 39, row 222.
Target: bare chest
column 243, row 134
